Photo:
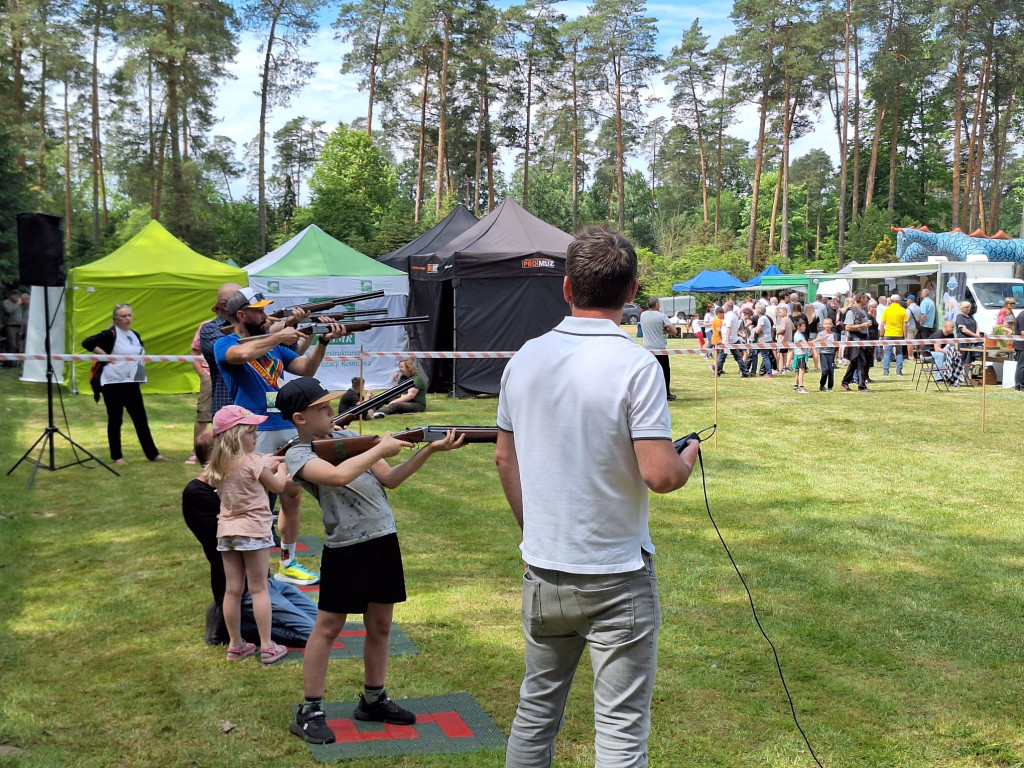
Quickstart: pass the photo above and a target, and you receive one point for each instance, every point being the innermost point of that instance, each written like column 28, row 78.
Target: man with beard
column 857, row 324
column 253, row 371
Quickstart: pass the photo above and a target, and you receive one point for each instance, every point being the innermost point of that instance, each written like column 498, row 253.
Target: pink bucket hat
column 232, row 415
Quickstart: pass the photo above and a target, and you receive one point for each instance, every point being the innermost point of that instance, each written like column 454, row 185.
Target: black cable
column 753, row 609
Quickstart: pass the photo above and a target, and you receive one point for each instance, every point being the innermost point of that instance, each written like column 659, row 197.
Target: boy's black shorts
column 352, row 577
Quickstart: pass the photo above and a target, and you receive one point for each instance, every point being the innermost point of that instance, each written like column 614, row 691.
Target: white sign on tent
column 335, row 375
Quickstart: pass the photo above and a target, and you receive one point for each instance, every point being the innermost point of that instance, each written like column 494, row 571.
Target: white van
column 986, row 284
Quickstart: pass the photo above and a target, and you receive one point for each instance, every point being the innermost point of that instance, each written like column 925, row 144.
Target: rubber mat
column 445, row 725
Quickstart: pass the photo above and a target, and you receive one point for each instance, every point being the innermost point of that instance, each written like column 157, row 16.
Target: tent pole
column 455, row 338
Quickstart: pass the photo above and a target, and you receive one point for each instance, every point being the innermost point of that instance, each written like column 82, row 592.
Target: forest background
column 108, row 118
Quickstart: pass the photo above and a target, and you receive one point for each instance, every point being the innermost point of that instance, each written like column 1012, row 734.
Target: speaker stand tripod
column 51, row 433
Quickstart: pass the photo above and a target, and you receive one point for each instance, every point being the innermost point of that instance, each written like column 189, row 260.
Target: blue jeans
column 893, row 350
column 618, row 616
column 766, row 361
column 722, row 355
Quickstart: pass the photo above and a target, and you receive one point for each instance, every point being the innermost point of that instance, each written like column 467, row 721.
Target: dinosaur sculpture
column 914, row 244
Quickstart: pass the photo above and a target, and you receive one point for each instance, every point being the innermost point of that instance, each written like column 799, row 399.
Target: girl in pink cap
column 242, row 479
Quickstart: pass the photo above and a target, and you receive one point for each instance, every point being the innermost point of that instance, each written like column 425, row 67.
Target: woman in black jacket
column 119, row 383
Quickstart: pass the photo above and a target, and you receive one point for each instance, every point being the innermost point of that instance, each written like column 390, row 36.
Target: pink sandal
column 272, row 654
column 239, row 652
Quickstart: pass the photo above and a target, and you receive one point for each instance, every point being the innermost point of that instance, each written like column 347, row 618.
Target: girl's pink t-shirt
column 244, row 506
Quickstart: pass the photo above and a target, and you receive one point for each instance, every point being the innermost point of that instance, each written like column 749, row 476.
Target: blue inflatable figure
column 918, row 244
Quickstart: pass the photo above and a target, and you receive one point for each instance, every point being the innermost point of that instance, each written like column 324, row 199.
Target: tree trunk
column 999, row 139
column 478, row 158
column 893, row 152
column 43, row 76
column 978, row 203
column 700, row 150
column 869, row 182
column 529, row 110
column 620, row 173
column 844, row 138
column 721, row 137
column 421, row 161
column 94, row 104
column 490, row 151
column 373, row 70
column 756, row 182
column 787, row 130
column 442, row 121
column 958, row 116
column 574, row 160
column 855, row 196
column 773, row 224
column 261, row 162
column 67, row 169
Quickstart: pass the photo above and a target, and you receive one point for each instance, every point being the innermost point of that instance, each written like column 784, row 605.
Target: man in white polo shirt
column 576, row 463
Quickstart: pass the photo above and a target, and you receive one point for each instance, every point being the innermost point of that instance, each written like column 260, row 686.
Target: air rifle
column 326, row 304
column 345, row 418
column 319, row 329
column 342, row 316
column 337, row 449
column 321, row 307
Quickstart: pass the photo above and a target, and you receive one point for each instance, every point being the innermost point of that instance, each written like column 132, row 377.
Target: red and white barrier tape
column 401, row 354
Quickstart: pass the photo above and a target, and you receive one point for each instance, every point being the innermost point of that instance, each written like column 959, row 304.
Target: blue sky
column 333, row 97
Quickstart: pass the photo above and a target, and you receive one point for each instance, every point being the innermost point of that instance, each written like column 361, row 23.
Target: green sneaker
column 296, row 574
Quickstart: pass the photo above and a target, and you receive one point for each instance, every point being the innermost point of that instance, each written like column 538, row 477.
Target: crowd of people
column 826, row 323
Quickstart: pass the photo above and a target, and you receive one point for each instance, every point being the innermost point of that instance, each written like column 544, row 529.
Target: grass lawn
column 880, row 535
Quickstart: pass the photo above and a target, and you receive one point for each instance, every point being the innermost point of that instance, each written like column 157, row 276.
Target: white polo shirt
column 575, row 399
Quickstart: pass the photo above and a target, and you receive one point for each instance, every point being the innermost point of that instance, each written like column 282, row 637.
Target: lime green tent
column 171, row 289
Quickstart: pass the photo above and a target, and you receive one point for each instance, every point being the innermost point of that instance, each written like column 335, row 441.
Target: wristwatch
column 322, row 341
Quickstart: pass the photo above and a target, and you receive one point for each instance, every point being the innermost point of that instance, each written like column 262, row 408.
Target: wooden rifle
column 326, row 304
column 319, row 329
column 338, row 449
column 346, row 417
column 321, row 307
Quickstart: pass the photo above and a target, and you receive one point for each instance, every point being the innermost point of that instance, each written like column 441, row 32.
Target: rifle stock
column 338, row 449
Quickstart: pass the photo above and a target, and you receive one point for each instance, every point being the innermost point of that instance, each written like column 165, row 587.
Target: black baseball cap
column 299, row 394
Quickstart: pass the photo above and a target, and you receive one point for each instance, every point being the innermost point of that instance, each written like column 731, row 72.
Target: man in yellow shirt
column 895, row 321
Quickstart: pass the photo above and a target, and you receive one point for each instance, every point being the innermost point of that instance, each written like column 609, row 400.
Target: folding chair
column 931, row 369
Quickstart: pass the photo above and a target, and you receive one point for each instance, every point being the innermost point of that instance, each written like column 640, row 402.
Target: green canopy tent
column 171, row 289
column 312, row 266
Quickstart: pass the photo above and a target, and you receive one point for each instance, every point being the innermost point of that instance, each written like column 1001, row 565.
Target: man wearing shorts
column 361, row 568
column 253, row 372
column 582, row 504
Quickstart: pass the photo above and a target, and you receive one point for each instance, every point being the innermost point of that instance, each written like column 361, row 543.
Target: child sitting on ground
column 800, row 356
column 242, row 479
column 361, row 567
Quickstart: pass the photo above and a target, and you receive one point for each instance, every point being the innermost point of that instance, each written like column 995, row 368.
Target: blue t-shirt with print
column 250, row 382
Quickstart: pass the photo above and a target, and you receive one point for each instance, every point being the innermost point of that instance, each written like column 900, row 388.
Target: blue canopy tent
column 710, row 281
column 771, row 269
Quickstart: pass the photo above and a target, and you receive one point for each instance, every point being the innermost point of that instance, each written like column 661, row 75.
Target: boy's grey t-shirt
column 352, row 513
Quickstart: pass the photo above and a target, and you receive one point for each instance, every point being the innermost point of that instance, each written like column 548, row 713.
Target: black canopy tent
column 430, row 297
column 505, row 277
